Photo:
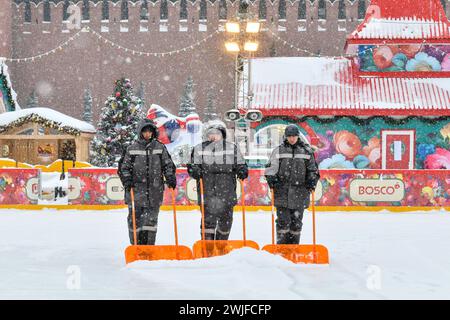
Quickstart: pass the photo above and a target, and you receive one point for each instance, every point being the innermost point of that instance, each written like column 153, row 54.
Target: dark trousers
column 218, row 221
column 146, row 225
column 289, row 225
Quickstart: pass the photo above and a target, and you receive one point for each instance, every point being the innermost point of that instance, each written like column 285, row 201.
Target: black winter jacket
column 218, row 164
column 145, row 165
column 292, row 172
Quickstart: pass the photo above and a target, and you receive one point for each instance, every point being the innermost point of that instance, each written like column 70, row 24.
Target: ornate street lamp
column 243, row 42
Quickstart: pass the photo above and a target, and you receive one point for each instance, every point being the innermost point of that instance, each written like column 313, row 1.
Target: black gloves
column 310, row 187
column 128, row 184
column 242, row 174
column 273, row 181
column 172, row 182
column 195, row 172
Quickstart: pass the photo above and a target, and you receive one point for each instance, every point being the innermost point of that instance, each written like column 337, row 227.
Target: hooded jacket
column 146, row 164
column 292, row 171
column 219, row 164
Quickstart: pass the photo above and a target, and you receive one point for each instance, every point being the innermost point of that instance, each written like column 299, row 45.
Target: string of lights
column 44, row 54
column 168, row 53
column 113, row 44
column 155, row 54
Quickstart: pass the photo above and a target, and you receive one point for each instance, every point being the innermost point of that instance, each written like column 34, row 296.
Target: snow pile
column 372, row 255
column 310, row 71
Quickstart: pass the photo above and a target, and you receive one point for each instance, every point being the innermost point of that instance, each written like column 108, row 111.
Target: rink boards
column 100, row 188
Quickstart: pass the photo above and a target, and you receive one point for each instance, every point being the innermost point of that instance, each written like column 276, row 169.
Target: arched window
column 322, row 13
column 223, row 11
column 203, row 10
column 144, row 10
column 301, row 10
column 85, row 10
column 282, row 10
column 124, row 10
column 361, row 9
column 105, row 10
column 164, row 11
column 47, row 14
column 262, row 12
column 27, row 13
column 342, row 14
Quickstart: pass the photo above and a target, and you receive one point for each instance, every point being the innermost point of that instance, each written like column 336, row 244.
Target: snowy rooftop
column 408, row 19
column 402, row 29
column 329, row 86
column 49, row 114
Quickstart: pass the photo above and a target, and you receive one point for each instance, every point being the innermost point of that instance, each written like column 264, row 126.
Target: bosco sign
column 375, row 190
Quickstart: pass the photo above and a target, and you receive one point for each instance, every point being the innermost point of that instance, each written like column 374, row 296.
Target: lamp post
column 243, row 42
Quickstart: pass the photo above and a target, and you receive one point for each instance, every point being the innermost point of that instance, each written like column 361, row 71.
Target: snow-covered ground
column 79, row 255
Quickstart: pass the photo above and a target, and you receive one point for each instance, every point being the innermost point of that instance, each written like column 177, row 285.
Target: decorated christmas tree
column 117, row 126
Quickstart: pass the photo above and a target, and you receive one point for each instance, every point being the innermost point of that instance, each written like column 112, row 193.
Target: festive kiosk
column 43, row 135
column 380, row 116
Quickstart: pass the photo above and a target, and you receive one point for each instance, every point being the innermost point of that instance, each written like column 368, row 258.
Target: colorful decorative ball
column 117, row 94
column 382, row 56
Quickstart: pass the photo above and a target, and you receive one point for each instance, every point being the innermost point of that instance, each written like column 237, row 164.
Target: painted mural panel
column 19, row 186
column 346, row 188
column 404, row 58
column 352, row 143
column 95, row 187
column 356, row 144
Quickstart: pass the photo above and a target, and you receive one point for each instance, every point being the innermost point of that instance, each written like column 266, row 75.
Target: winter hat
column 213, row 131
column 216, row 127
column 292, row 131
column 147, row 123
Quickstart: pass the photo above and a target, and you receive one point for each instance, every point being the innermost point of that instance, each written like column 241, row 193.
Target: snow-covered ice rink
column 372, row 256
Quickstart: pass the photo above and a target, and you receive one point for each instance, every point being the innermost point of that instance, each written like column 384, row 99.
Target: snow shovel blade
column 212, row 248
column 166, row 252
column 303, row 253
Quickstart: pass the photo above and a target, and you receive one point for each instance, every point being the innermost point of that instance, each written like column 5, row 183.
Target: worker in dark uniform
column 293, row 174
column 146, row 167
column 218, row 163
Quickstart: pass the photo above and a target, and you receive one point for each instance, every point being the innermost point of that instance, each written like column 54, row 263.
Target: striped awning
column 330, row 86
column 403, row 20
column 404, row 28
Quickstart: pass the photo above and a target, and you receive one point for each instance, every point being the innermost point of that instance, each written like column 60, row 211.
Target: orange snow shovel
column 299, row 253
column 149, row 252
column 211, row 248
